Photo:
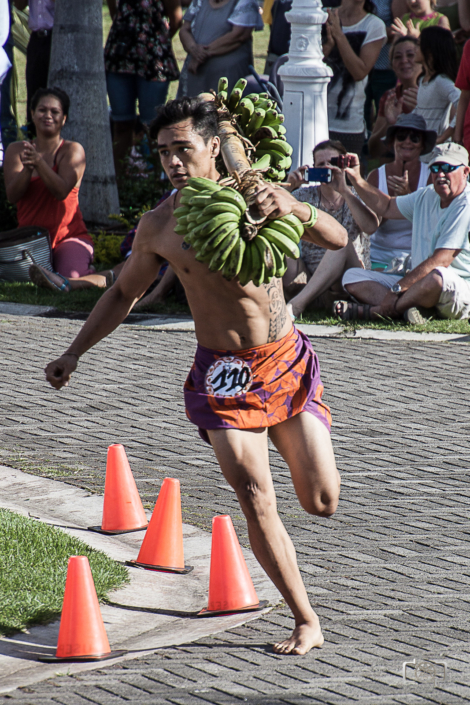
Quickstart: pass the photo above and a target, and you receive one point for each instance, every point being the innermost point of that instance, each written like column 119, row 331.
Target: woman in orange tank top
column 43, row 178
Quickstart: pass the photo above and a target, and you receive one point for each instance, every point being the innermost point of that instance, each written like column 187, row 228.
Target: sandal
column 349, row 311
column 110, row 278
column 39, row 276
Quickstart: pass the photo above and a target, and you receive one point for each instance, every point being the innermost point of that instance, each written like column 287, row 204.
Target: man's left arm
column 275, row 202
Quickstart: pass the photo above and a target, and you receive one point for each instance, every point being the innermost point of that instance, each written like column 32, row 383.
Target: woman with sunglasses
column 408, row 138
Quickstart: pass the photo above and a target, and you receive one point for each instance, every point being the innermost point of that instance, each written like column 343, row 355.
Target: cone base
column 99, row 530
column 250, row 608
column 161, row 568
column 76, row 659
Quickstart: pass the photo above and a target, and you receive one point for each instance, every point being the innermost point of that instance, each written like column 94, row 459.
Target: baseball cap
column 449, row 152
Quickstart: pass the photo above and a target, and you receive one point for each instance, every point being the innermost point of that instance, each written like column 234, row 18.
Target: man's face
column 450, row 185
column 184, row 153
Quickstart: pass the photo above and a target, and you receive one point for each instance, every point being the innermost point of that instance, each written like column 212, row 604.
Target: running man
column 251, row 329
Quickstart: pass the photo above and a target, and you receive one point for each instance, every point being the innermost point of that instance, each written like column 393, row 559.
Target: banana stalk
column 232, row 148
column 238, row 166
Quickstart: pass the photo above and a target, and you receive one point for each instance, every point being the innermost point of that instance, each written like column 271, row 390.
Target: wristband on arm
column 313, row 217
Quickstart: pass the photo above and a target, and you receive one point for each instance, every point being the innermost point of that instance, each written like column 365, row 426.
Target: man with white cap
column 440, row 216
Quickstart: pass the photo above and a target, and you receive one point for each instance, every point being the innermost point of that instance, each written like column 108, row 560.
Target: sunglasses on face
column 401, row 136
column 445, row 168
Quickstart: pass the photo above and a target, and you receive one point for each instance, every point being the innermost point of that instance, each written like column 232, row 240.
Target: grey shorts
column 454, row 301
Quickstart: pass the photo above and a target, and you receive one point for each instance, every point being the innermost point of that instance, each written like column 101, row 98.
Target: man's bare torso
column 227, row 316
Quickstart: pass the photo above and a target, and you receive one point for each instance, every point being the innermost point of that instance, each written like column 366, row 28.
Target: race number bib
column 228, row 377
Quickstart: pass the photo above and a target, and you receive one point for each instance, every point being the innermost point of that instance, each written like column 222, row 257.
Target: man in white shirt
column 440, row 253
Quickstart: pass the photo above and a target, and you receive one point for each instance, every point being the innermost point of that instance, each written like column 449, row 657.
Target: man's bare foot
column 304, row 637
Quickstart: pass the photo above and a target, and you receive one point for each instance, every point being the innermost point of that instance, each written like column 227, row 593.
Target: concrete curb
column 321, row 331
column 185, row 324
column 155, row 610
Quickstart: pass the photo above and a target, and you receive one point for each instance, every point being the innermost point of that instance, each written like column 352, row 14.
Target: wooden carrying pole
column 238, row 166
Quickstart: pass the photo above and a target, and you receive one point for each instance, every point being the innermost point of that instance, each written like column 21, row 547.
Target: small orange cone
column 122, row 508
column 82, row 636
column 230, row 586
column 162, row 547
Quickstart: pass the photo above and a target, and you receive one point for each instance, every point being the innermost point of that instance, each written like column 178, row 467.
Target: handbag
column 21, row 248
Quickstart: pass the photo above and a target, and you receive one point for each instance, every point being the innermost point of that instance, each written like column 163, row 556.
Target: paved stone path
column 389, row 574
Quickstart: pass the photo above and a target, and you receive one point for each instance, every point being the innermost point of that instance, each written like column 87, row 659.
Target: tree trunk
column 77, row 66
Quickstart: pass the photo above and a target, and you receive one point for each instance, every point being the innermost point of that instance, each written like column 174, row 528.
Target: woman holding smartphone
column 319, row 270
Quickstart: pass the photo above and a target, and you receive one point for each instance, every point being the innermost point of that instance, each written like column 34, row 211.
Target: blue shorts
column 124, row 89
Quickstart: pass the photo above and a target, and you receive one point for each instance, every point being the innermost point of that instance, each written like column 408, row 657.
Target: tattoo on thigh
column 277, row 309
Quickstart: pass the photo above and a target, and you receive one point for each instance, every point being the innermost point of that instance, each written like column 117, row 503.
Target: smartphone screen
column 323, row 175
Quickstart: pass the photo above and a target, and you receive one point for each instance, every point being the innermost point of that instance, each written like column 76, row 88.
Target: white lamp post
column 305, row 77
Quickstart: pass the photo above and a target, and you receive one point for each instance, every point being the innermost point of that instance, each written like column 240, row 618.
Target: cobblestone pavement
column 389, row 574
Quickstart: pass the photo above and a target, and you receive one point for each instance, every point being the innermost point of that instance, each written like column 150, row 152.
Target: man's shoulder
column 162, row 211
column 153, row 224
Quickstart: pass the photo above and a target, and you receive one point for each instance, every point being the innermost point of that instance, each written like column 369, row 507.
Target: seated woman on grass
column 43, row 178
column 322, row 269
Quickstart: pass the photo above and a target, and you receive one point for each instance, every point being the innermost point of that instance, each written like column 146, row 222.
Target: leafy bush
column 107, row 248
column 138, row 194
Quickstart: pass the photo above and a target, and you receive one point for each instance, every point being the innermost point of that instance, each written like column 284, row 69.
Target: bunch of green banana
column 265, row 254
column 260, row 122
column 211, row 219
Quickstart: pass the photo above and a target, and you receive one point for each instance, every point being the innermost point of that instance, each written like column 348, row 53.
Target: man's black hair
column 58, row 93
column 202, row 113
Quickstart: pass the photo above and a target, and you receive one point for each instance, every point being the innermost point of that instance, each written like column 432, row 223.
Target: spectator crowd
column 397, row 154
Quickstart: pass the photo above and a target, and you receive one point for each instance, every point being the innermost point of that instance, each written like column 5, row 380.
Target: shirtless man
column 282, row 387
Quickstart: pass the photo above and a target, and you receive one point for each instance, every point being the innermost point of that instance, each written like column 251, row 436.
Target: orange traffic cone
column 230, row 586
column 162, row 547
column 122, row 509
column 82, row 636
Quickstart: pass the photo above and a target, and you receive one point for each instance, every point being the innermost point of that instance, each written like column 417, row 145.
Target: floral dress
column 312, row 254
column 139, row 42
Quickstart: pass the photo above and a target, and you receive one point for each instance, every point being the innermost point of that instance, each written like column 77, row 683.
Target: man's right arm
column 140, row 271
column 379, row 202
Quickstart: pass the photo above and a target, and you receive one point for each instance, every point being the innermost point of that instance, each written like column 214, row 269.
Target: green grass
column 26, row 293
column 73, row 302
column 437, row 325
column 33, row 568
column 84, row 301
